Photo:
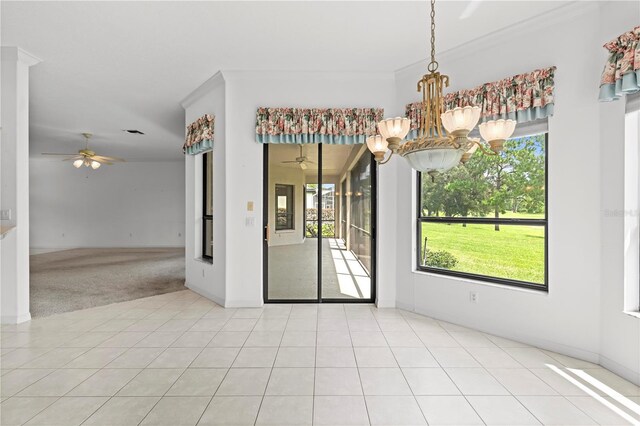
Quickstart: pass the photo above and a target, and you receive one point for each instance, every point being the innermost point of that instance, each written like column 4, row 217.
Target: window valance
column 338, row 126
column 523, row 97
column 621, row 74
column 200, row 135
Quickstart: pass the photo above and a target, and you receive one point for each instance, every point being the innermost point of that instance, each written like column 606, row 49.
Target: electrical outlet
column 5, row 214
column 473, row 297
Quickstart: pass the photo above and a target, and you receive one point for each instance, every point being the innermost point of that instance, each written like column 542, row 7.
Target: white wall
column 243, row 93
column 208, row 279
column 582, row 156
column 620, row 332
column 14, row 177
column 123, row 205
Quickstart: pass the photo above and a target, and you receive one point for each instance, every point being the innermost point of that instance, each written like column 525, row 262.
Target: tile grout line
column 266, row 386
column 355, row 358
column 447, row 374
column 133, row 378
column 400, row 368
column 60, row 397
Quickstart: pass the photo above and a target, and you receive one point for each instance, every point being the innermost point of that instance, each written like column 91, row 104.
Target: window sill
column 634, row 314
column 541, row 291
column 204, row 260
column 286, row 231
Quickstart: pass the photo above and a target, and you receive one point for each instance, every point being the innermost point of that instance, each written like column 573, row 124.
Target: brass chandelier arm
column 387, row 160
column 483, row 150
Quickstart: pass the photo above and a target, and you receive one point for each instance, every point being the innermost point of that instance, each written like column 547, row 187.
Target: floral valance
column 341, row 126
column 621, row 73
column 200, row 135
column 523, row 97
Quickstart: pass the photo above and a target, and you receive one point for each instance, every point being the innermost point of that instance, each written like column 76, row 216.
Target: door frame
column 266, row 230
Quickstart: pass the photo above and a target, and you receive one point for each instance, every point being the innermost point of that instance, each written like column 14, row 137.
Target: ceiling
column 109, row 66
column 334, row 158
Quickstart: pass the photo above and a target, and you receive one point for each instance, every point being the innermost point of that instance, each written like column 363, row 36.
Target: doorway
column 319, row 223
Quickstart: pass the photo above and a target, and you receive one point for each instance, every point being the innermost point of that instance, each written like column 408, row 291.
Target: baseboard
column 405, row 306
column 204, row 293
column 243, row 304
column 13, row 319
column 384, row 303
column 620, row 370
column 549, row 345
column 134, row 246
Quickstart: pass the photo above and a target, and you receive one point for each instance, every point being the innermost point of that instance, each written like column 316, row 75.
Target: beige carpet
column 75, row 279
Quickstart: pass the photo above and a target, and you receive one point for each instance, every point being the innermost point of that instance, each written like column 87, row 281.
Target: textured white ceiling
column 109, row 66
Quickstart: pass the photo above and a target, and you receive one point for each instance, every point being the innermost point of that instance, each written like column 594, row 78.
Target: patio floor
column 293, row 271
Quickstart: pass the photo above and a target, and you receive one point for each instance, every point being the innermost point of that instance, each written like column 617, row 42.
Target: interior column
column 14, row 180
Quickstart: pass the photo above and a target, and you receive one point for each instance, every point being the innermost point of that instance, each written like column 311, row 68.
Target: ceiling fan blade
column 292, row 161
column 310, row 162
column 75, row 157
column 101, row 158
column 57, row 153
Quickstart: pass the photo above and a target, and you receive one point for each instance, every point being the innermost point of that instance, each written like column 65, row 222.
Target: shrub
column 328, row 230
column 440, row 259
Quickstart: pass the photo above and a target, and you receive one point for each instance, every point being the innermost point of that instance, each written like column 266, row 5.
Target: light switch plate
column 5, row 214
column 250, row 221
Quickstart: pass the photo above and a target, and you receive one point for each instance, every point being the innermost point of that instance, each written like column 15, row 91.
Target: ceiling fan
column 302, row 160
column 87, row 157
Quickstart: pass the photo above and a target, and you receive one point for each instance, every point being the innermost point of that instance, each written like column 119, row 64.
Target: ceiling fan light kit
column 443, row 136
column 87, row 157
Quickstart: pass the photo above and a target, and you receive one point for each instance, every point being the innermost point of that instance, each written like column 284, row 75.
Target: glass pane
column 346, row 205
column 207, row 249
column 292, row 257
column 285, row 207
column 509, row 185
column 512, row 252
column 208, row 167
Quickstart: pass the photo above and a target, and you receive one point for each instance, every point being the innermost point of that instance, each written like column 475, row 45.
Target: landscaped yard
column 514, row 252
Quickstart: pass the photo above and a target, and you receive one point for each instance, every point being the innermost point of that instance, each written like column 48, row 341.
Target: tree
column 512, row 180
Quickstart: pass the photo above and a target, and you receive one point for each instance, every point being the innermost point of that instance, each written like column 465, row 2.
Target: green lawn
column 514, row 252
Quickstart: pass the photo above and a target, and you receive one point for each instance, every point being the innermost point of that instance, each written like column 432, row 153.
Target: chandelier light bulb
column 393, row 130
column 95, row 165
column 378, row 146
column 78, row 163
column 496, row 132
column 460, row 120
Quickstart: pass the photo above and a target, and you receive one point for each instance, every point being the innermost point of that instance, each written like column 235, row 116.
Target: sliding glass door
column 319, row 214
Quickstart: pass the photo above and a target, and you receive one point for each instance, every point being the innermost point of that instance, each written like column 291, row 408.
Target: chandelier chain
column 433, row 65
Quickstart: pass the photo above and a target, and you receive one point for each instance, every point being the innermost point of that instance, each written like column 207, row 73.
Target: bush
column 327, row 214
column 440, row 259
column 328, row 230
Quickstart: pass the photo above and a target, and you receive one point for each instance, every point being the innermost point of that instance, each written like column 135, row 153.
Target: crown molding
column 14, row 53
column 212, row 83
column 533, row 25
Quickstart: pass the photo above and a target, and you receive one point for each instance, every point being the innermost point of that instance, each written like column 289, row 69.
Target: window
column 631, row 205
column 207, row 205
column 487, row 220
column 284, row 207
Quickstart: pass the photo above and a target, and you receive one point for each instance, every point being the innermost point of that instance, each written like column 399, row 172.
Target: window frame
column 292, row 188
column 488, row 221
column 207, row 187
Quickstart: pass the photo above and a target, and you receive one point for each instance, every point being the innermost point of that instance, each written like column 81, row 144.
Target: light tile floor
column 179, row 359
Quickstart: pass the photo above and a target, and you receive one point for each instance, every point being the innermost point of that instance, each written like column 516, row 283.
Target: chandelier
column 442, row 141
